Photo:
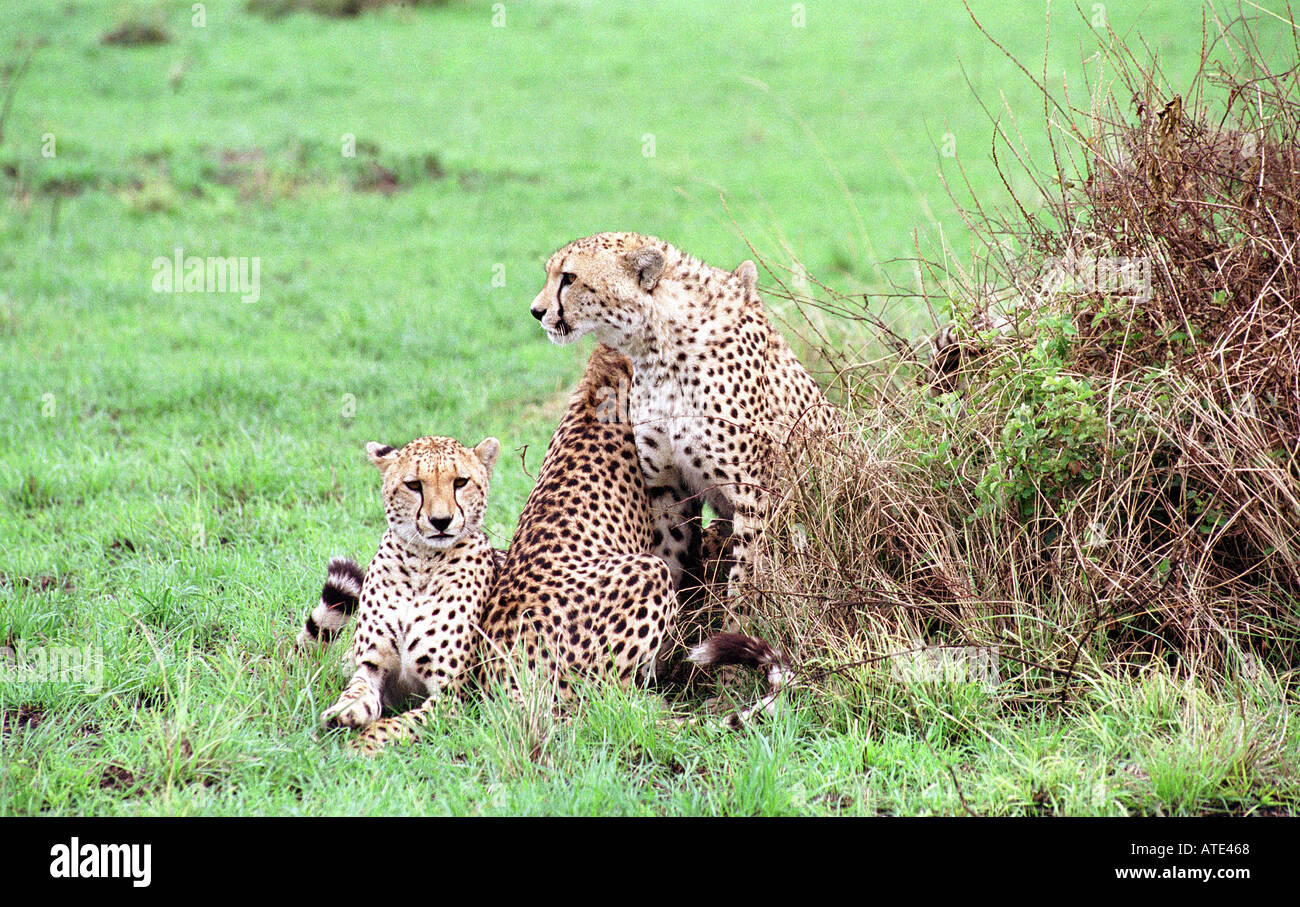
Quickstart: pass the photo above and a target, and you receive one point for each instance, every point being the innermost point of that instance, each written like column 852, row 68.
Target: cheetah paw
column 352, row 713
column 381, row 733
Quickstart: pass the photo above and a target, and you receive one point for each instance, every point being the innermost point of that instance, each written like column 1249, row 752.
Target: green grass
column 175, row 469
column 229, row 733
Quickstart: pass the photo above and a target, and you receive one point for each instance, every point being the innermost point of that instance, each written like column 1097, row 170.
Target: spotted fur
column 423, row 594
column 580, row 591
column 717, row 395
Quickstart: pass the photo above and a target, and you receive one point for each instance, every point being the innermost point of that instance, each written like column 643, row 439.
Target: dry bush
column 1104, row 470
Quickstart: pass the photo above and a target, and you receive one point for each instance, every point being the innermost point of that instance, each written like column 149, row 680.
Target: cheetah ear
column 647, row 263
column 487, row 452
column 382, row 455
column 748, row 276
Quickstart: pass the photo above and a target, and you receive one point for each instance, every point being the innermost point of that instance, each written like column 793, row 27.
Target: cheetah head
column 623, row 287
column 602, row 285
column 435, row 489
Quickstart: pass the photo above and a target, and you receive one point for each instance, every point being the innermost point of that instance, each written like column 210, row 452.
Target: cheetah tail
column 750, row 652
column 338, row 601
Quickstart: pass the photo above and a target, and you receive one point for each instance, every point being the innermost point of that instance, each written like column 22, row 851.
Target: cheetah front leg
column 360, row 703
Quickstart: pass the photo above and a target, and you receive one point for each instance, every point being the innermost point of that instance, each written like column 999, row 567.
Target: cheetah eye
column 414, row 485
column 566, row 278
column 460, row 483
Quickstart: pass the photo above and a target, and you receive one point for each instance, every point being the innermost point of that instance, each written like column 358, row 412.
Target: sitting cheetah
column 579, row 589
column 717, row 394
column 423, row 595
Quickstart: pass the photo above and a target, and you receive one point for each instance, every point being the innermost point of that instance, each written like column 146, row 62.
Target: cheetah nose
column 538, row 315
column 440, row 522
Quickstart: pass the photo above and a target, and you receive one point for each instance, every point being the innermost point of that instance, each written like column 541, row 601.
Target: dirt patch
column 136, row 34
column 119, row 549
column 398, row 174
column 45, row 582
column 269, row 175
column 25, row 717
column 376, row 178
column 836, row 801
column 338, row 9
column 117, row 777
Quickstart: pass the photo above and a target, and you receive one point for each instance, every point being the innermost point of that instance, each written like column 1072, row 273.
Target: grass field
column 175, row 468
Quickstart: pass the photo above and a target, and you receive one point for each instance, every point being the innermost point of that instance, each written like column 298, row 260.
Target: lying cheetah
column 422, row 597
column 717, row 393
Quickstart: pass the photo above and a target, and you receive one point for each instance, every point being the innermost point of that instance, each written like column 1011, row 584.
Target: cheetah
column 422, row 597
column 580, row 590
column 717, row 394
